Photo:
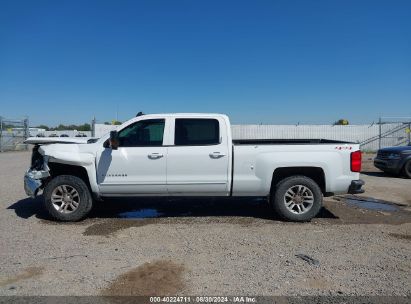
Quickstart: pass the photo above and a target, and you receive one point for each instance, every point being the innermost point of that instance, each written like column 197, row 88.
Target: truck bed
column 287, row 141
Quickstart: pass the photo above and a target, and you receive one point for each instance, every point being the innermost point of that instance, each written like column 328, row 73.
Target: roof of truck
column 186, row 114
column 157, row 115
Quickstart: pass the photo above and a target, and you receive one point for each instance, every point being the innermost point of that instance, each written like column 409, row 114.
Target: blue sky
column 257, row 61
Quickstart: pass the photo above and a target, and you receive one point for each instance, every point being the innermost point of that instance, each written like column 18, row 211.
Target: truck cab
column 167, row 155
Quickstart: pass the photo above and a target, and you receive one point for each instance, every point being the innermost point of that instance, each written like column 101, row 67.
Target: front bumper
column 392, row 165
column 356, row 187
column 31, row 186
column 33, row 181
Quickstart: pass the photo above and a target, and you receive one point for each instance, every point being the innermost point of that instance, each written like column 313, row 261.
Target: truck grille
column 382, row 155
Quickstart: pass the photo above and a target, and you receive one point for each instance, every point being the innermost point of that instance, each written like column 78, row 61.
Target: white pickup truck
column 189, row 155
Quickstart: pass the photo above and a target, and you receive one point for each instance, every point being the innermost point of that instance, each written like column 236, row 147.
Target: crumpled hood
column 78, row 154
column 54, row 140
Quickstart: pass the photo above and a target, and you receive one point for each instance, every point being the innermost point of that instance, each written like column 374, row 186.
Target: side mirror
column 114, row 140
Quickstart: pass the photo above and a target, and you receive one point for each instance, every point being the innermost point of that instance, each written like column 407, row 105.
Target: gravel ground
column 202, row 247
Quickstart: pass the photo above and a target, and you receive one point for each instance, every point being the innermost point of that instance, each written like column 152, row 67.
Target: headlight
column 393, row 156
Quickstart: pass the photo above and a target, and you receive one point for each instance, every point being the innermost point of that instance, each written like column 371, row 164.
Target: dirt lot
column 385, row 187
column 205, row 246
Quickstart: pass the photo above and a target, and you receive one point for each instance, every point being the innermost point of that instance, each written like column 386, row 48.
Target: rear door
column 197, row 160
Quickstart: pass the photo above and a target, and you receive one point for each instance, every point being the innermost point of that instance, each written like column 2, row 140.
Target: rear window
column 194, row 132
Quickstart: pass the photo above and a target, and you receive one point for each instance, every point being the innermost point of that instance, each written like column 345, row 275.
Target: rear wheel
column 407, row 169
column 297, row 198
column 67, row 198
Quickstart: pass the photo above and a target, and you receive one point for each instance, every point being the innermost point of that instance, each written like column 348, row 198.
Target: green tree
column 43, row 127
column 61, row 127
column 84, row 127
column 341, row 122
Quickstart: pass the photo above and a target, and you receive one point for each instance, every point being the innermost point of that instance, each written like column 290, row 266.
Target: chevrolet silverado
column 189, row 155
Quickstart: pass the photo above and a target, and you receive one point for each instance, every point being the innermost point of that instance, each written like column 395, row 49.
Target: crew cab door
column 138, row 166
column 198, row 158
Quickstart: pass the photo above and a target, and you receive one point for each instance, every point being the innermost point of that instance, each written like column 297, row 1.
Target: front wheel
column 67, row 198
column 297, row 198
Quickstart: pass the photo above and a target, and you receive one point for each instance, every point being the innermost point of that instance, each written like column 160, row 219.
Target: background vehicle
column 395, row 160
column 190, row 155
column 81, row 135
column 64, row 135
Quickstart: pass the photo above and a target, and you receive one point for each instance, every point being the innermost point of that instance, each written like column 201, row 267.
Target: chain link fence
column 13, row 132
column 400, row 133
column 388, row 131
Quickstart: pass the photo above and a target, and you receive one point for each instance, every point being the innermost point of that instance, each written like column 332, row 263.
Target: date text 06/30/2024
column 203, row 299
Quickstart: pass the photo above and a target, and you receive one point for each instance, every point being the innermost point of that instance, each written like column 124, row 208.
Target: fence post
column 409, row 133
column 1, row 134
column 379, row 134
column 26, row 130
column 93, row 127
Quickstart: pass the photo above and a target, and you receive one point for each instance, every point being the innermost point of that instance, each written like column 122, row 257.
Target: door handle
column 155, row 155
column 216, row 155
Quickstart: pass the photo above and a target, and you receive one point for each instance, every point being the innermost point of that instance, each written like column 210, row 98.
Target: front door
column 138, row 166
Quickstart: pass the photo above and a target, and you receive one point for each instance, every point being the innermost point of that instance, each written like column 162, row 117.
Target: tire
column 407, row 169
column 307, row 195
column 67, row 198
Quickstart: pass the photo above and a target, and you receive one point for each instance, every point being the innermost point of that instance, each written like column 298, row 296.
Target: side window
column 194, row 132
column 142, row 134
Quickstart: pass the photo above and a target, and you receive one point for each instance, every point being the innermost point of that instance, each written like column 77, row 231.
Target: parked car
column 40, row 135
column 190, row 155
column 81, row 135
column 64, row 135
column 53, row 135
column 394, row 160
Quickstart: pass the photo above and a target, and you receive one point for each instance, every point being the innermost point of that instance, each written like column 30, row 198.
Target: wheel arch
column 315, row 173
column 57, row 169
